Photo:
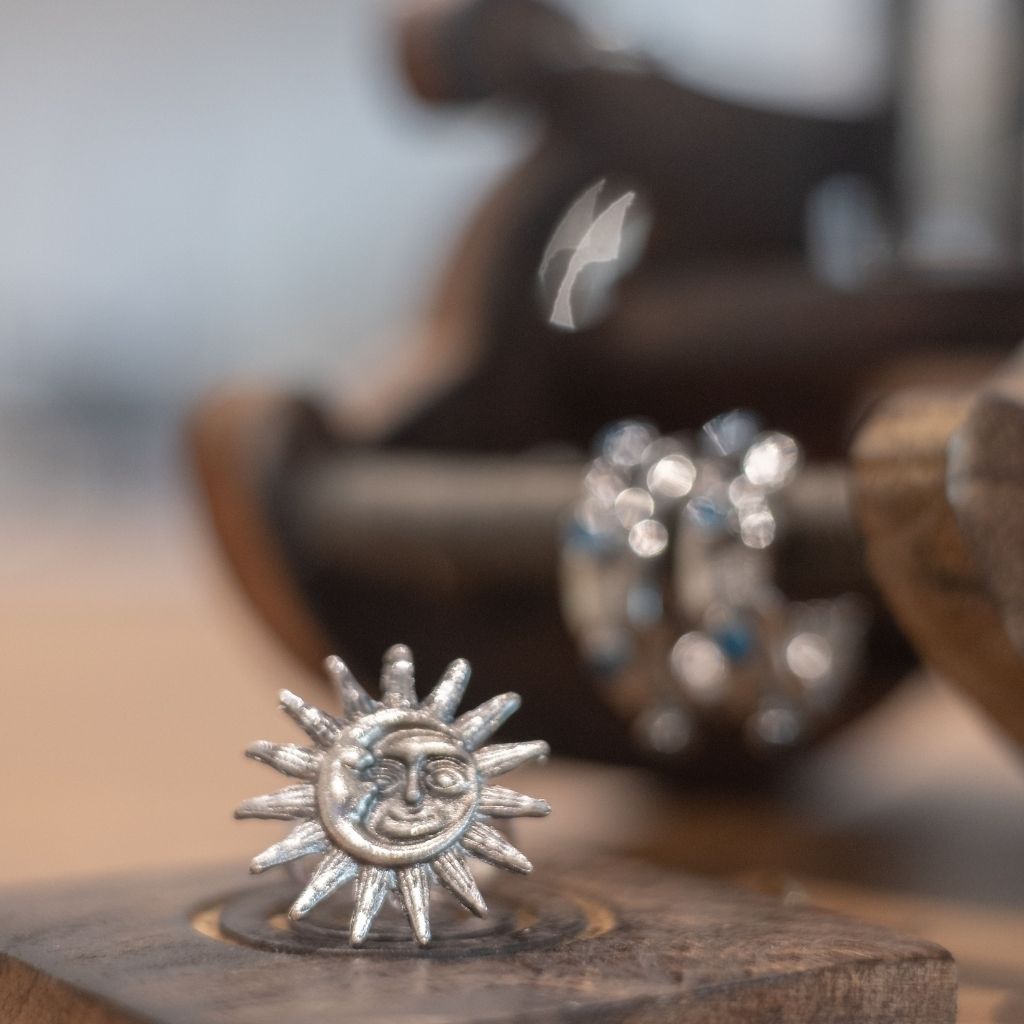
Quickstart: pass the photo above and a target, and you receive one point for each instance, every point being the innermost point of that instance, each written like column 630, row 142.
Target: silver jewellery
column 396, row 794
column 668, row 586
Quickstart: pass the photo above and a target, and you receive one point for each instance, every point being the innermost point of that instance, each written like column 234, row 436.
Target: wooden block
column 604, row 941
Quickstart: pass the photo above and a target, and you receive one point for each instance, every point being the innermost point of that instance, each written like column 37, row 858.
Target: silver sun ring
column 395, row 795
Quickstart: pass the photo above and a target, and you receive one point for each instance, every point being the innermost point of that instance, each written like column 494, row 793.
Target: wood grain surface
column 919, row 554
column 650, row 945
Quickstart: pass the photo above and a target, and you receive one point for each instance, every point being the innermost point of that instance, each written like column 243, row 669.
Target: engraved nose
column 413, row 793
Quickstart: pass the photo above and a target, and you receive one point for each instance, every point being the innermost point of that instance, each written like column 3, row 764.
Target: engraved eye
column 386, row 775
column 446, row 777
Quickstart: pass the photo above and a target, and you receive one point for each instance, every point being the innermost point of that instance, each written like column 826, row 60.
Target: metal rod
column 474, row 520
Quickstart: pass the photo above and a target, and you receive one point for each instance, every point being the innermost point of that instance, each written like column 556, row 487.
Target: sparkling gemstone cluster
column 668, row 583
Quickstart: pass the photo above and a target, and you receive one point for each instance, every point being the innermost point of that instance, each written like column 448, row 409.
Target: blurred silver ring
column 667, row 584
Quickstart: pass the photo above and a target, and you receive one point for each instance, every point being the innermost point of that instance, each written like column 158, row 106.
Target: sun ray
column 288, row 803
column 303, row 840
column 318, row 725
column 452, row 872
column 490, row 845
column 499, row 802
column 477, row 726
column 414, row 887
column 334, row 871
column 500, row 758
column 444, row 699
column 287, row 758
column 397, row 681
column 355, row 701
column 371, row 888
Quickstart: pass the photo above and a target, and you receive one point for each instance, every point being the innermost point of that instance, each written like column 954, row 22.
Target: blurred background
column 198, row 192
column 193, row 193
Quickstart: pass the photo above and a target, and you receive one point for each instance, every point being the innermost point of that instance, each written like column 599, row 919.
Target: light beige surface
column 131, row 680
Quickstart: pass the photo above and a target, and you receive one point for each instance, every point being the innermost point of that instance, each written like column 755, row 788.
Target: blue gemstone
column 706, row 513
column 578, row 537
column 610, row 659
column 644, row 606
column 736, row 640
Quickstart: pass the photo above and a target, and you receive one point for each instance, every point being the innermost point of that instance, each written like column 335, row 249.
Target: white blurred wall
column 191, row 188
column 828, row 56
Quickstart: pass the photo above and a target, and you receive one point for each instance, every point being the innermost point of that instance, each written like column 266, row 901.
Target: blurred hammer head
column 939, row 486
column 985, row 486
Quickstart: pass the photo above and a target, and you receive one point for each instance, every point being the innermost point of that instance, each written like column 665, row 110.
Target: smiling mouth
column 400, row 827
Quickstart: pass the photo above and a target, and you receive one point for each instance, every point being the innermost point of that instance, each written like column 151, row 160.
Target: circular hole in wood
column 531, row 917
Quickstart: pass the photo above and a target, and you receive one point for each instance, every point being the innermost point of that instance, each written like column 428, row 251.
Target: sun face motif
column 395, row 794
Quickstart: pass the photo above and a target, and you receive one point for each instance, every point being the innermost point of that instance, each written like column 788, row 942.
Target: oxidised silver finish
column 395, row 795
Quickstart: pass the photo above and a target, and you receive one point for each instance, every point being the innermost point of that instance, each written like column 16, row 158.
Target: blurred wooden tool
column 939, row 483
column 433, row 510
